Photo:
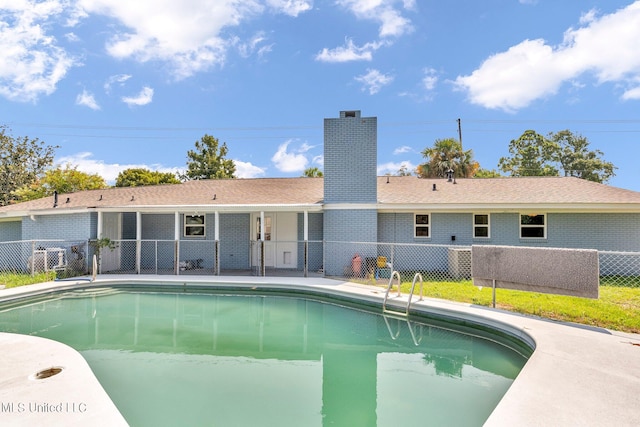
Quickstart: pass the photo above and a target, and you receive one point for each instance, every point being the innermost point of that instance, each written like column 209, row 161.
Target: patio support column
column 138, row 240
column 306, row 243
column 99, row 227
column 216, row 243
column 176, row 237
column 262, row 228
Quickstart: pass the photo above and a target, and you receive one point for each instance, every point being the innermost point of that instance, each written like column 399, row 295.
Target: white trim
column 487, row 225
column 427, row 225
column 194, row 226
column 521, row 226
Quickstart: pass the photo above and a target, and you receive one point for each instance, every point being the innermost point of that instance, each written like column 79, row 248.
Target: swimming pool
column 175, row 357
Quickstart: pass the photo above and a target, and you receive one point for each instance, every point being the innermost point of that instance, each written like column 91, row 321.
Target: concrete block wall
column 350, row 158
column 606, row 232
column 348, row 226
column 234, row 241
column 10, row 231
column 77, row 226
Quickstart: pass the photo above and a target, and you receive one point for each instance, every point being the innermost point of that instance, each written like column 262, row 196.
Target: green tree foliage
column 312, row 173
column 22, row 160
column 577, row 160
column 136, row 177
column 531, row 155
column 487, row 173
column 447, row 154
column 63, row 180
column 535, row 155
column 208, row 160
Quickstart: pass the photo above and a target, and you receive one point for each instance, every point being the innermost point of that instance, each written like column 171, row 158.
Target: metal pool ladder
column 395, row 274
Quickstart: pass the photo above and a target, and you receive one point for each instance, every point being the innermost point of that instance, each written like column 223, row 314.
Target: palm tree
column 447, row 154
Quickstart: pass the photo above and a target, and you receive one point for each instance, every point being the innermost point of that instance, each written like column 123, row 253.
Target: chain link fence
column 355, row 261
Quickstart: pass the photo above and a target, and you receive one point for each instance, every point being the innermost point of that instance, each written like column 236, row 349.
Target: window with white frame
column 194, row 226
column 422, row 225
column 481, row 226
column 533, row 226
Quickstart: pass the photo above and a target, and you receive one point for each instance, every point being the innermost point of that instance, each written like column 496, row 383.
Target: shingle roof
column 394, row 192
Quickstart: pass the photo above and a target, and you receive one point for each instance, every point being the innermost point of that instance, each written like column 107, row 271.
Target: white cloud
column 143, row 98
column 349, row 52
column 32, row 61
column 291, row 161
column 385, row 12
column 632, row 94
column 291, row 7
column 248, row 170
column 86, row 163
column 430, row 79
column 392, row 168
column 402, row 150
column 188, row 35
column 374, row 80
column 88, row 100
column 606, row 47
column 118, row 78
column 253, row 45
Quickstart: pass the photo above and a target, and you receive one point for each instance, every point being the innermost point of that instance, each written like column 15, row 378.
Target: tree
column 531, row 155
column 445, row 155
column 135, row 177
column 22, row 160
column 404, row 170
column 536, row 155
column 62, row 180
column 312, row 173
column 486, row 173
column 576, row 160
column 208, row 160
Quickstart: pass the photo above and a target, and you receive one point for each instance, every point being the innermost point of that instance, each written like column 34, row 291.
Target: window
column 194, row 225
column 533, row 226
column 481, row 226
column 421, row 225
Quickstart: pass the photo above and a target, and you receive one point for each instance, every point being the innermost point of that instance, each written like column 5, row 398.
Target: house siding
column 610, row 232
column 57, row 227
column 234, row 241
column 11, row 231
column 350, row 159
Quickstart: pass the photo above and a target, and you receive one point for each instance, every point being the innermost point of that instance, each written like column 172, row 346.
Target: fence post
column 33, row 258
column 216, row 260
column 262, row 266
column 176, row 259
column 306, row 258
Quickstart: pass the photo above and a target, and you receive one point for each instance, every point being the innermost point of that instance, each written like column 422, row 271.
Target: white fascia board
column 211, row 208
column 513, row 207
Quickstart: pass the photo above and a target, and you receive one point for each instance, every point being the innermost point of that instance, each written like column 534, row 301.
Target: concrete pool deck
column 577, row 375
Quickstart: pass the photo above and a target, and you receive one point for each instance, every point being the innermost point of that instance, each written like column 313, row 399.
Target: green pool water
column 169, row 359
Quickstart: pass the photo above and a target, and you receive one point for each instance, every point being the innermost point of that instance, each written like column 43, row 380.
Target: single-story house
column 295, row 223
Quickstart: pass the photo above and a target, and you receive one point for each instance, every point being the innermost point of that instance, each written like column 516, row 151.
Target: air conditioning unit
column 460, row 262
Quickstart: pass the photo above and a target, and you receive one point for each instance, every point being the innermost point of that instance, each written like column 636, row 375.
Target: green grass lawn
column 617, row 308
column 10, row 280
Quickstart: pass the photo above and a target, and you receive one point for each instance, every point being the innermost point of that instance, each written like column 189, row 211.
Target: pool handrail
column 413, row 285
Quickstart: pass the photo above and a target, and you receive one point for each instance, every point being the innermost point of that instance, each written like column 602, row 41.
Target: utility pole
column 460, row 134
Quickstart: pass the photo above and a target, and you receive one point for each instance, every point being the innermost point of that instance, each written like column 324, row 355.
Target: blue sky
column 119, row 84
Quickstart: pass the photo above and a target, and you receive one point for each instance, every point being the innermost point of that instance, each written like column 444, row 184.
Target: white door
column 112, row 229
column 280, row 234
column 269, row 245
